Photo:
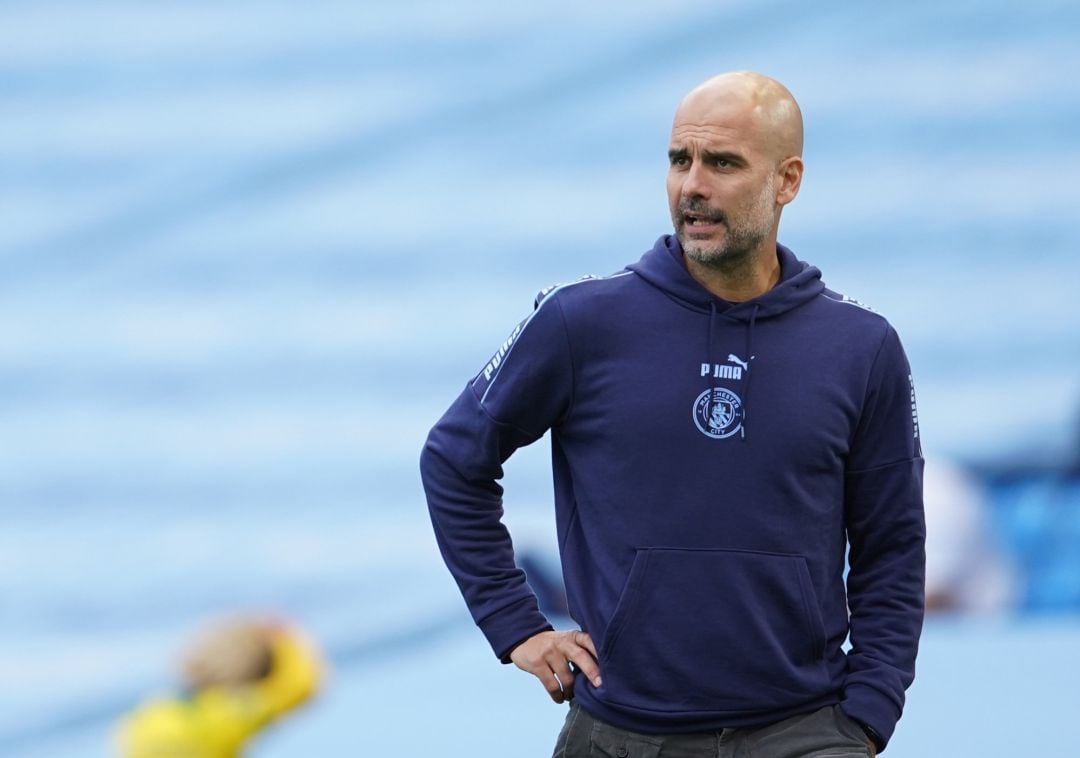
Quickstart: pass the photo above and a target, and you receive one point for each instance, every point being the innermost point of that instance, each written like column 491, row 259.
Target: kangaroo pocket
column 714, row 630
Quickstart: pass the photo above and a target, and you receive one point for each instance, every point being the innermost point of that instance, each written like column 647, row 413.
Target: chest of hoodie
column 686, row 428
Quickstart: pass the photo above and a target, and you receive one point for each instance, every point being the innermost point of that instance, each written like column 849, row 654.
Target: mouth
column 702, row 221
column 692, row 220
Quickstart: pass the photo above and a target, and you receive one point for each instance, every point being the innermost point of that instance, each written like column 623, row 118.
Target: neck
column 752, row 278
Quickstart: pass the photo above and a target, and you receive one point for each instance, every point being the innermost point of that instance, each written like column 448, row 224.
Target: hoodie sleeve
column 884, row 519
column 524, row 390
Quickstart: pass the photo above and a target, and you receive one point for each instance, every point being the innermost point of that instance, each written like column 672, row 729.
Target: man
column 241, row 675
column 704, row 551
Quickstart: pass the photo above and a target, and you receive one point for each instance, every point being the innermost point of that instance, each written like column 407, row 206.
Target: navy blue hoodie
column 712, row 462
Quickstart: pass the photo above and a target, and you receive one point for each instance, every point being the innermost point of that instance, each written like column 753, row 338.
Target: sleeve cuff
column 874, row 711
column 509, row 627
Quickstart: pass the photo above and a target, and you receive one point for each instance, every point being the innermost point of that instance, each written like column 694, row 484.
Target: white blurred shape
column 966, row 570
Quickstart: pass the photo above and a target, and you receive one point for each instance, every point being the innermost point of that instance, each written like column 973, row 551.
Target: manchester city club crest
column 718, row 413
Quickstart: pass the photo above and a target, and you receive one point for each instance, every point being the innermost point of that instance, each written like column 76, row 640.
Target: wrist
column 507, row 657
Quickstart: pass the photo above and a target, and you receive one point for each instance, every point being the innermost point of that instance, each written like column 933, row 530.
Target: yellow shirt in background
column 217, row 722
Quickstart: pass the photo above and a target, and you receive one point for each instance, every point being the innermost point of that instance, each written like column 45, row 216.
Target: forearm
column 885, row 591
column 459, row 467
column 522, row 392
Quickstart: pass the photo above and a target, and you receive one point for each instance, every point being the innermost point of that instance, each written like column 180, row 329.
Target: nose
column 694, row 183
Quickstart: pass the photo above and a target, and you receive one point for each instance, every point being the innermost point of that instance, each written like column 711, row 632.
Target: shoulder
column 839, row 298
column 860, row 329
column 853, row 314
column 584, row 288
column 161, row 720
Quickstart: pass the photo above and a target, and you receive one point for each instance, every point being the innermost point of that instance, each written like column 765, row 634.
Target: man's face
column 721, row 183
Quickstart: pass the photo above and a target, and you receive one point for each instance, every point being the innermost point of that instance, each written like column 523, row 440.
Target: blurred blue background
column 250, row 251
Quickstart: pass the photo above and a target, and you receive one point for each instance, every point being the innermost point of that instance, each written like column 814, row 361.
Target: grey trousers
column 825, row 733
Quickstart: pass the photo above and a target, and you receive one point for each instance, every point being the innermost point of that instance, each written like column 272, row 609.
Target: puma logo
column 735, row 359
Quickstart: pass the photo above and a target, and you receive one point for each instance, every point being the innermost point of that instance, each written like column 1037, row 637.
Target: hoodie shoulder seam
column 504, row 424
column 872, row 469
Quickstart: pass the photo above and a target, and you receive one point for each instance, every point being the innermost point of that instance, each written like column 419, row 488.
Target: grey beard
column 735, row 255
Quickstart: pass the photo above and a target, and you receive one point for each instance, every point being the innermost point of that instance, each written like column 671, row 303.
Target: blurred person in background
column 703, row 529
column 238, row 676
column 967, row 571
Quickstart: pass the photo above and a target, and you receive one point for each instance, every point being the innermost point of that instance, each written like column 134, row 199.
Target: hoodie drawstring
column 714, row 361
column 749, row 363
column 710, row 356
column 664, row 267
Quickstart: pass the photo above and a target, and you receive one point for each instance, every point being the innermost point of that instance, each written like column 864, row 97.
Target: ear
column 790, row 179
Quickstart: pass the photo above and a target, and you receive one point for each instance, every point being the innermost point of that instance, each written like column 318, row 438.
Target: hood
column 663, row 267
column 799, row 282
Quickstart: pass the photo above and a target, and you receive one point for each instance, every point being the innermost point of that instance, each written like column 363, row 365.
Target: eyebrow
column 724, row 155
column 709, row 155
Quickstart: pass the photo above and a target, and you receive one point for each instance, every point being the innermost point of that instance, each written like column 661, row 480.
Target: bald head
column 735, row 161
column 745, row 98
